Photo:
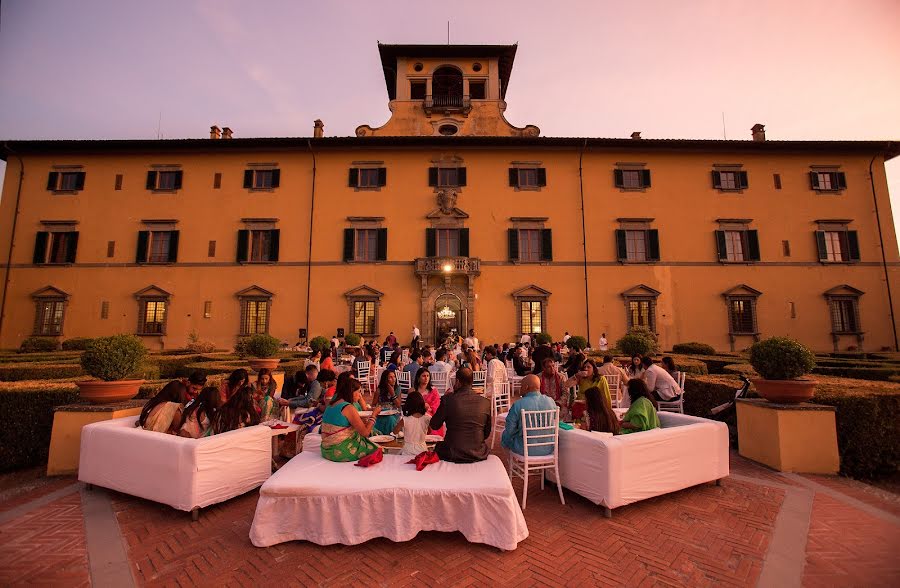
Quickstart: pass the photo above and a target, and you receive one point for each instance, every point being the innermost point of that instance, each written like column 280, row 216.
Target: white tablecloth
column 313, row 499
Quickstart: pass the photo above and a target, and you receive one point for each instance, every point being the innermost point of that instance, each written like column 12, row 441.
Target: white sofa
column 615, row 471
column 186, row 474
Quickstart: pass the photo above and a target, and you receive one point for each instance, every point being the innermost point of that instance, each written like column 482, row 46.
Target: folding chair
column 615, row 389
column 478, row 379
column 677, row 403
column 403, row 379
column 440, row 380
column 540, row 428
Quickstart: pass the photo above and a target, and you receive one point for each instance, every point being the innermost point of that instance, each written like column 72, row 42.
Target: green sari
column 340, row 441
column 641, row 414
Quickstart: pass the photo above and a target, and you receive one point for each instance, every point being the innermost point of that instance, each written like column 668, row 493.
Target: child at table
column 414, row 424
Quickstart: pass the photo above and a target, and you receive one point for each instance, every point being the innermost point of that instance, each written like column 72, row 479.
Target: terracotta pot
column 786, row 391
column 257, row 363
column 100, row 392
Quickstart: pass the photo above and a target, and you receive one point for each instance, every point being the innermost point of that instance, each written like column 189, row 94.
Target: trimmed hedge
column 32, row 344
column 51, row 357
column 740, row 368
column 14, row 372
column 693, row 348
column 211, row 368
column 76, row 344
column 27, row 417
column 860, row 373
column 174, row 366
column 691, row 366
column 715, row 364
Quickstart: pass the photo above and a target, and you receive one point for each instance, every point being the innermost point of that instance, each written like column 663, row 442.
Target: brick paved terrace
column 760, row 528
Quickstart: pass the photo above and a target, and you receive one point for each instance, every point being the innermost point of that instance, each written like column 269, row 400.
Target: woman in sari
column 344, row 433
column 237, row 380
column 264, row 396
column 387, row 396
column 162, row 413
column 642, row 415
column 432, row 397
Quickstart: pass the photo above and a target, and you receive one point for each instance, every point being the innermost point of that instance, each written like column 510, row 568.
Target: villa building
column 450, row 217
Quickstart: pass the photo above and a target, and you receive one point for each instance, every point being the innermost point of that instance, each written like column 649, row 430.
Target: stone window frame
column 369, row 165
column 263, row 166
column 741, row 225
column 641, row 293
column 631, row 166
column 60, row 170
column 530, row 293
column 158, row 168
column 154, row 294
column 638, row 224
column 844, row 293
column 839, row 178
column 69, row 228
column 735, row 168
column 252, row 294
column 841, row 226
column 742, row 292
column 448, row 162
column 49, row 295
column 363, row 293
column 535, row 165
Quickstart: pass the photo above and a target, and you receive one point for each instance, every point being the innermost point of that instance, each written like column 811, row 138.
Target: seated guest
column 427, row 357
column 264, row 395
column 327, row 363
column 422, row 384
column 237, row 413
column 468, row 419
column 542, row 352
column 359, row 355
column 611, row 369
column 599, row 415
column 162, row 413
column 588, row 377
column 440, row 363
column 496, row 369
column 531, row 399
column 313, row 418
column 387, row 396
column 194, row 383
column 237, row 380
column 518, row 360
column 385, row 353
column 308, row 391
column 394, row 361
column 197, row 416
column 642, row 414
column 414, row 424
column 472, row 361
column 327, row 379
column 669, row 365
column 635, row 369
column 552, row 383
column 661, row 385
column 573, row 362
column 504, row 351
column 344, row 433
column 414, row 365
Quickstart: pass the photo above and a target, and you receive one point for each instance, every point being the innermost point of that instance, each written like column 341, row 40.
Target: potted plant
column 111, row 360
column 781, row 362
column 320, row 344
column 352, row 340
column 262, row 349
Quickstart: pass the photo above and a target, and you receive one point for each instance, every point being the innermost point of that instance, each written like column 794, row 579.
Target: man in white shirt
column 496, row 369
column 415, row 336
column 566, row 337
column 440, row 364
column 661, row 385
column 526, row 339
column 604, row 344
column 472, row 341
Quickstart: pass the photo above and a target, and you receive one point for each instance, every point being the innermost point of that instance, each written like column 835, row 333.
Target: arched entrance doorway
column 447, row 86
column 448, row 316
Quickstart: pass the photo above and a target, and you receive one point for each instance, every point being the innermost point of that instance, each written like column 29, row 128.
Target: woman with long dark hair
column 162, row 413
column 422, row 385
column 635, row 369
column 599, row 415
column 588, row 377
column 264, row 395
column 197, row 416
column 642, row 414
column 238, row 412
column 237, row 380
column 387, row 396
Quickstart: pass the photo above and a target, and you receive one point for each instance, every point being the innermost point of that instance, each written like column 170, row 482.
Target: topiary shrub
column 543, row 338
column 577, row 342
column 114, row 358
column 38, row 344
column 693, row 348
column 320, row 344
column 352, row 339
column 638, row 341
column 781, row 358
column 76, row 344
column 262, row 346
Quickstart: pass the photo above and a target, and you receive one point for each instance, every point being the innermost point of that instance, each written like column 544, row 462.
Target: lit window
column 364, row 317
column 742, row 319
column 639, row 314
column 153, row 317
column 532, row 316
column 254, row 316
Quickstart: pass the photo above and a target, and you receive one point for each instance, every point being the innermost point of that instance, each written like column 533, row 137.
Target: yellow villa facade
column 450, row 217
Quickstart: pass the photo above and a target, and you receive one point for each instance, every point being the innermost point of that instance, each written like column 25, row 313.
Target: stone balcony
column 441, row 266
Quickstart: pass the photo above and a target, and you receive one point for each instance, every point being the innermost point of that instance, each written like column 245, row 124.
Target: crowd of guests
column 460, row 416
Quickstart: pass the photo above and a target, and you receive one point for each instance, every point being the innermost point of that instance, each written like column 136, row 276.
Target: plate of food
column 391, row 412
column 381, row 438
column 365, row 413
column 433, row 438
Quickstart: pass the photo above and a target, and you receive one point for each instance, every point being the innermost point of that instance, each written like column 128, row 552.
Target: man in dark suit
column 468, row 419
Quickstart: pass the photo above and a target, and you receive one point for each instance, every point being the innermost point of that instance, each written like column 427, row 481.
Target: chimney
column 318, row 129
column 759, row 132
column 226, row 132
column 636, row 135
column 214, row 132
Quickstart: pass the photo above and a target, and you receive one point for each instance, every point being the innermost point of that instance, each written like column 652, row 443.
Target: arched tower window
column 447, row 87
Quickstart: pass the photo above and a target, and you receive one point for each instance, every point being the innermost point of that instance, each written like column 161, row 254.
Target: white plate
column 365, row 413
column 388, row 412
column 381, row 438
column 433, row 438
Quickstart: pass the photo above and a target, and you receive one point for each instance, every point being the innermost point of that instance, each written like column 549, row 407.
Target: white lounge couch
column 615, row 471
column 186, row 474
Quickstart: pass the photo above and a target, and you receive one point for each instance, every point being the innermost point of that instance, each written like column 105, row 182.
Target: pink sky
column 823, row 69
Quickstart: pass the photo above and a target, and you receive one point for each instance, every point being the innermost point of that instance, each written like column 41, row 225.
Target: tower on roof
column 447, row 90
